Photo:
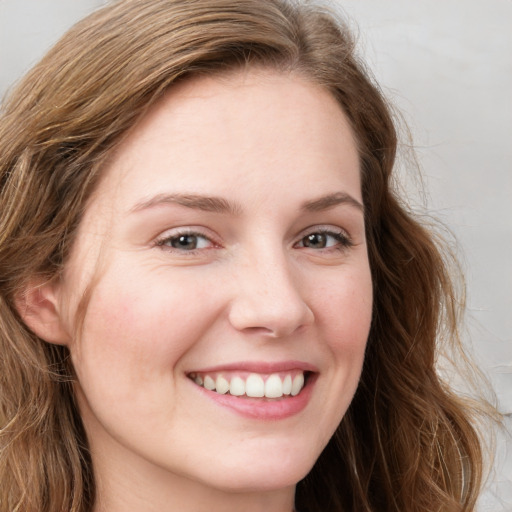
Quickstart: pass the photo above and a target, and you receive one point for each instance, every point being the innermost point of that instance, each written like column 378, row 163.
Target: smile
column 252, row 385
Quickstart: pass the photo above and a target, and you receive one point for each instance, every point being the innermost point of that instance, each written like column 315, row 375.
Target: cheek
column 345, row 314
column 135, row 330
column 345, row 311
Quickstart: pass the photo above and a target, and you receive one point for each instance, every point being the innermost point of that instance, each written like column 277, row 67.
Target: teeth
column 237, row 386
column 287, row 385
column 254, row 385
column 274, row 387
column 298, row 384
column 221, row 385
column 209, row 383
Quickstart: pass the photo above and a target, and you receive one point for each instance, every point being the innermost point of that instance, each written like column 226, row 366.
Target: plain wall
column 448, row 67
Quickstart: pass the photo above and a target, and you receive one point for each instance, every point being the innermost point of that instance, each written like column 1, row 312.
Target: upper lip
column 259, row 367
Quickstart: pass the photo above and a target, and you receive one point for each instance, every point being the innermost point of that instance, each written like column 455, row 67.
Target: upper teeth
column 253, row 385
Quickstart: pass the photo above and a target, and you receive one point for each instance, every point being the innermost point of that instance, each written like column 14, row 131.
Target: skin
column 255, row 289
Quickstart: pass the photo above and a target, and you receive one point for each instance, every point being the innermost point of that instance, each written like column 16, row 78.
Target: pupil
column 316, row 240
column 185, row 242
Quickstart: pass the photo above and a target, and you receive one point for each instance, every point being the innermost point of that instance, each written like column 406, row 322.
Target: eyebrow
column 221, row 205
column 330, row 201
column 194, row 201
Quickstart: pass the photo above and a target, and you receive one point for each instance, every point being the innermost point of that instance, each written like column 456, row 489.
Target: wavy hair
column 407, row 442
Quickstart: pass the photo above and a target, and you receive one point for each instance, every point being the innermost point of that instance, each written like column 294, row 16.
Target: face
column 230, row 292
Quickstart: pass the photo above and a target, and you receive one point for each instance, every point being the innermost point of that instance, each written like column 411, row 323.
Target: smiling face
column 226, row 250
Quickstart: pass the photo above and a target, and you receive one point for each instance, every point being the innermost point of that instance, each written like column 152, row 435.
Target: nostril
column 259, row 330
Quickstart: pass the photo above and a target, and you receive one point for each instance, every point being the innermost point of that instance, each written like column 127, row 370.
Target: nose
column 268, row 298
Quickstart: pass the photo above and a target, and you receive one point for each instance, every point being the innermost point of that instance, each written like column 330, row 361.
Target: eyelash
column 166, row 241
column 342, row 238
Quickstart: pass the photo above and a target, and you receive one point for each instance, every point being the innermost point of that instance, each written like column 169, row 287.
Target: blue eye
column 186, row 242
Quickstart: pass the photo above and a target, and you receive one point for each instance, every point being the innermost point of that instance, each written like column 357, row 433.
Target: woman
column 211, row 296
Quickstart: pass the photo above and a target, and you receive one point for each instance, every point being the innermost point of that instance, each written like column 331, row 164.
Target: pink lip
column 259, row 367
column 263, row 408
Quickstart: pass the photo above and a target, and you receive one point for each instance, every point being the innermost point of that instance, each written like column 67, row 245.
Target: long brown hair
column 407, row 442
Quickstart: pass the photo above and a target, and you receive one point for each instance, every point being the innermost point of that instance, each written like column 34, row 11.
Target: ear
column 38, row 306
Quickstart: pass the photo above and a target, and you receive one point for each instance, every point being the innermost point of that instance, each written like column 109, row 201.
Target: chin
column 262, row 473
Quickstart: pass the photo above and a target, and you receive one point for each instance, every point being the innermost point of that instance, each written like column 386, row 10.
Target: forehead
column 229, row 133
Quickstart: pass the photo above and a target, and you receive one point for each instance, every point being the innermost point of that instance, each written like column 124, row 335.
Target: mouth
column 259, row 391
column 274, row 386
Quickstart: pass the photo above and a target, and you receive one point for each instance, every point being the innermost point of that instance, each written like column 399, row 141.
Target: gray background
column 448, row 67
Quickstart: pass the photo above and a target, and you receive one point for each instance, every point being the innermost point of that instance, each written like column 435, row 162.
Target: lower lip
column 264, row 408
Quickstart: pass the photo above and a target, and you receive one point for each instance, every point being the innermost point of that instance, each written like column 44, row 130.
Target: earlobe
column 38, row 306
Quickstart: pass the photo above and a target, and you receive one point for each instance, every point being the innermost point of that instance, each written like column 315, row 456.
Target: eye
column 185, row 242
column 325, row 239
